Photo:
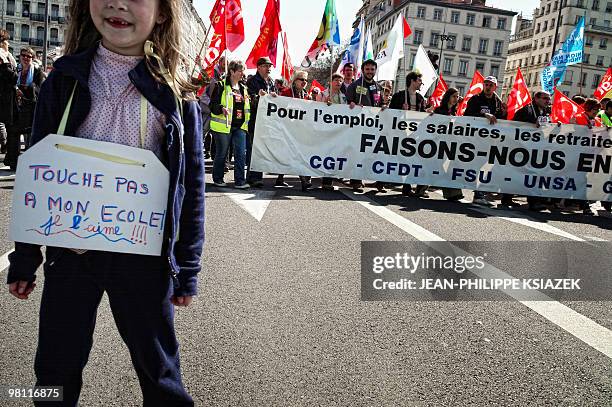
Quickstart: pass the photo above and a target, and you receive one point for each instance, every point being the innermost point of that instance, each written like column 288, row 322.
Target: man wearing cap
column 258, row 85
column 488, row 104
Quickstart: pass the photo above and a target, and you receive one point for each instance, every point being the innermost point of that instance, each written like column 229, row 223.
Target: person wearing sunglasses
column 297, row 90
column 29, row 80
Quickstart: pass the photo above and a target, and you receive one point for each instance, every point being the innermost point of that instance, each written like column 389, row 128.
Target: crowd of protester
column 345, row 88
column 20, row 83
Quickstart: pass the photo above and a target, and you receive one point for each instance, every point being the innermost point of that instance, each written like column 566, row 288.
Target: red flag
column 604, row 90
column 563, row 109
column 475, row 88
column 228, row 25
column 316, row 85
column 519, row 95
column 287, row 70
column 436, row 97
column 267, row 42
column 407, row 29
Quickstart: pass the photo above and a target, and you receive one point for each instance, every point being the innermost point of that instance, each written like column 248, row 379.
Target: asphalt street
column 279, row 320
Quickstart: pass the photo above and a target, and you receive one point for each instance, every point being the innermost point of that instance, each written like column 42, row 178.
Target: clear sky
column 301, row 20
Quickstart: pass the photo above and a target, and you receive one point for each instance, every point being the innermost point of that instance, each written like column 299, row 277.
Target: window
column 463, row 68
column 54, row 10
column 593, row 21
column 448, row 65
column 599, row 61
column 41, row 8
column 501, row 24
column 482, row 46
column 54, row 34
column 537, row 30
column 606, row 23
column 569, row 77
column 435, row 38
column 495, row 70
column 556, row 6
column 497, row 48
column 25, row 33
column 529, row 79
column 608, row 7
column 585, row 57
column 470, row 19
column 583, row 79
column 542, row 43
column 532, row 59
column 535, row 45
column 10, row 9
column 480, row 66
column 455, row 17
column 603, row 43
column 461, row 89
column 595, row 5
column 548, row 8
column 486, row 21
column 540, row 59
column 418, row 37
column 580, row 3
column 589, row 41
column 10, row 27
column 466, row 45
column 576, row 19
column 437, row 14
column 549, row 42
column 25, row 9
column 421, row 12
column 596, row 79
column 40, row 33
column 552, row 23
column 545, row 26
column 452, row 43
column 560, row 21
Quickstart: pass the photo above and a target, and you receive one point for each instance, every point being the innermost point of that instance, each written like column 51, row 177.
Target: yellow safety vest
column 219, row 123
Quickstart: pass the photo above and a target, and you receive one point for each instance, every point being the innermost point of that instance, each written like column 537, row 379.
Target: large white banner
column 299, row 137
column 86, row 194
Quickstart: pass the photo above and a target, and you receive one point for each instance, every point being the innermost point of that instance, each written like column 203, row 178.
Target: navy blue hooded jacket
column 183, row 156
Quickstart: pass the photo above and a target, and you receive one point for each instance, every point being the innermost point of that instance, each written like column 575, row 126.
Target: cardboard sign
column 86, row 194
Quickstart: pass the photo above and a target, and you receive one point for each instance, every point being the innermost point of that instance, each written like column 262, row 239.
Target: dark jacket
column 8, row 79
column 353, row 95
column 254, row 85
column 529, row 114
column 494, row 105
column 444, row 110
column 398, row 100
column 183, row 156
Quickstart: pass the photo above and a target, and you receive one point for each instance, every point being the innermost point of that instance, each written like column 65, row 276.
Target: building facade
column 24, row 20
column 533, row 44
column 465, row 36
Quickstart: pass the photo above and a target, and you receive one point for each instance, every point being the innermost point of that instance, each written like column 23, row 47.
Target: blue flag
column 570, row 53
column 354, row 52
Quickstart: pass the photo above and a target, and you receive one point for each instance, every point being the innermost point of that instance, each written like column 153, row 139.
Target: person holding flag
column 365, row 92
column 605, row 115
column 348, row 73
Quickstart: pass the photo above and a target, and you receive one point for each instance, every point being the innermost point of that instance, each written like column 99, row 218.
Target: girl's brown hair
column 82, row 34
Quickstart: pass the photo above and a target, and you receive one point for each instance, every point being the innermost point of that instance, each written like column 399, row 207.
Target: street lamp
column 443, row 38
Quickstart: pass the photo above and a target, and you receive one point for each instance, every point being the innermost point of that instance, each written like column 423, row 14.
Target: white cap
column 491, row 79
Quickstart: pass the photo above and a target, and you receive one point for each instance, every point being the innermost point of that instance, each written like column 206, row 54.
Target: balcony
column 37, row 17
column 600, row 28
column 36, row 42
column 58, row 19
column 55, row 43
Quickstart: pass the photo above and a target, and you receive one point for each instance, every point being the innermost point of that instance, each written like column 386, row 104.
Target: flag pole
column 227, row 118
column 405, row 70
column 580, row 79
column 331, row 70
column 202, row 48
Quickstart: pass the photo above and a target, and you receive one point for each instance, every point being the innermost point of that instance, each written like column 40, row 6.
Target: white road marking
column 255, row 202
column 521, row 219
column 4, row 263
column 583, row 328
column 595, row 239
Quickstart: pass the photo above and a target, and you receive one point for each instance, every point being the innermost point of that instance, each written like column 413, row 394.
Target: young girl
column 101, row 81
